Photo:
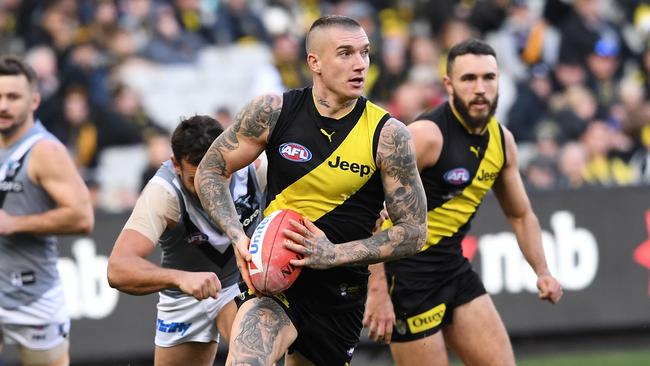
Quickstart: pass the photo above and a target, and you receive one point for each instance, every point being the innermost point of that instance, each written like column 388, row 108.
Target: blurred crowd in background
column 574, row 82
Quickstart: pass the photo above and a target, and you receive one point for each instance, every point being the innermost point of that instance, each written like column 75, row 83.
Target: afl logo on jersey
column 456, row 176
column 295, row 152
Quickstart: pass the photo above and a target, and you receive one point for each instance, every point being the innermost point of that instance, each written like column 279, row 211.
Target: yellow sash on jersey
column 445, row 220
column 326, row 187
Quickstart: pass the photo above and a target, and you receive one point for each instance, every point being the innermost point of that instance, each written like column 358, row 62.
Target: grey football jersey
column 27, row 261
column 196, row 244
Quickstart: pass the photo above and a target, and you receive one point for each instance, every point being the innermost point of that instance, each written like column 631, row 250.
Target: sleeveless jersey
column 196, row 244
column 325, row 169
column 27, row 261
column 467, row 168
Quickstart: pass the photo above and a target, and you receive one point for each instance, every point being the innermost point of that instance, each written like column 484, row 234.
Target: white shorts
column 186, row 319
column 41, row 325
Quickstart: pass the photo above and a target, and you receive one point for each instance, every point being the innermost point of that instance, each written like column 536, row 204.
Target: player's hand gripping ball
column 269, row 268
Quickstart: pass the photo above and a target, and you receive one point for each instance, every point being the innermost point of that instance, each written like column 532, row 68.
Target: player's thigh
column 55, row 356
column 427, row 351
column 477, row 334
column 296, row 359
column 225, row 319
column 190, row 353
column 261, row 333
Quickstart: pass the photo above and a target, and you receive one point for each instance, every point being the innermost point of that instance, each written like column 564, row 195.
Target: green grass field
column 633, row 353
column 618, row 358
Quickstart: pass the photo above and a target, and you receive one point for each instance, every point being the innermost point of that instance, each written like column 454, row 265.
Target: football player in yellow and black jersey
column 462, row 152
column 334, row 157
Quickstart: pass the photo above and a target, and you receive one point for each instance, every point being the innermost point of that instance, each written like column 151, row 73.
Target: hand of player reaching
column 549, row 288
column 310, row 241
column 243, row 257
column 201, row 285
column 379, row 315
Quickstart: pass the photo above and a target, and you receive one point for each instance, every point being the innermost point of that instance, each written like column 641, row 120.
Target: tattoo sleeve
column 236, row 147
column 259, row 330
column 405, row 202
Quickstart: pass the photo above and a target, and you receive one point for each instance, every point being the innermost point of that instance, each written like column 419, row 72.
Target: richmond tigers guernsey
column 467, row 168
column 325, row 169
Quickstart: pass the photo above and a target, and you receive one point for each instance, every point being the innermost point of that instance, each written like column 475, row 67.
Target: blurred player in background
column 462, row 152
column 41, row 195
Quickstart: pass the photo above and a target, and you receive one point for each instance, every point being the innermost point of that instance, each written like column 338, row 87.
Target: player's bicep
column 131, row 243
column 509, row 187
column 403, row 190
column 246, row 138
column 52, row 168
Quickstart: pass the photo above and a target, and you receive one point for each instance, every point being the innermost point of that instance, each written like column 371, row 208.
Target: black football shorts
column 423, row 305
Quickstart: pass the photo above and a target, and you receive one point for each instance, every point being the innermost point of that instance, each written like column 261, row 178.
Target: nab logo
column 456, row 176
column 295, row 152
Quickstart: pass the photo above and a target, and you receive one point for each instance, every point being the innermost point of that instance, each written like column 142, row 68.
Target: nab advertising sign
column 597, row 244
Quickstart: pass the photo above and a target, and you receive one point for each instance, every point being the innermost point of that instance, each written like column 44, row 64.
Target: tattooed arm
column 405, row 203
column 235, row 148
column 379, row 314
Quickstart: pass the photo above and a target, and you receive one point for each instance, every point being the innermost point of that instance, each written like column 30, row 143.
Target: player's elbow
column 115, row 274
column 82, row 218
column 86, row 223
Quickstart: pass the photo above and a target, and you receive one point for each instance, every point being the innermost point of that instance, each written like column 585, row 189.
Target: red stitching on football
column 269, row 269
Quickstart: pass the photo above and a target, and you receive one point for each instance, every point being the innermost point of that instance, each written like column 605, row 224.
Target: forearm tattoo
column 256, row 119
column 259, row 330
column 405, row 200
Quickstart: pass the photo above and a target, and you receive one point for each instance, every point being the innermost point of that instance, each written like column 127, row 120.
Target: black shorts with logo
column 324, row 337
column 423, row 305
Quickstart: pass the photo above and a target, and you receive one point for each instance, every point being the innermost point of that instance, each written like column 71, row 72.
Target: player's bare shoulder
column 428, row 142
column 425, row 129
column 47, row 155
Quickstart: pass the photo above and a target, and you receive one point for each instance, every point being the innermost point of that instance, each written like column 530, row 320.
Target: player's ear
column 177, row 165
column 313, row 62
column 35, row 100
column 447, row 83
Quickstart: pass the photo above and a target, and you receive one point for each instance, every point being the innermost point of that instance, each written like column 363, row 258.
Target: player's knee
column 56, row 356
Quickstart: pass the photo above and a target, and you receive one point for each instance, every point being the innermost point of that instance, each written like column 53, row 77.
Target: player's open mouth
column 356, row 82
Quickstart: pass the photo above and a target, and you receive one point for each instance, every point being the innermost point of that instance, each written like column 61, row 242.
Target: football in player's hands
column 269, row 268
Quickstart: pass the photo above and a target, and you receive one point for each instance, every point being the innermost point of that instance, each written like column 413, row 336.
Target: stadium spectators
column 591, row 70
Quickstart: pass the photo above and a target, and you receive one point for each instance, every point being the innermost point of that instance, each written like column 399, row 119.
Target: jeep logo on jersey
column 295, row 152
column 456, row 176
column 487, row 176
column 361, row 169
